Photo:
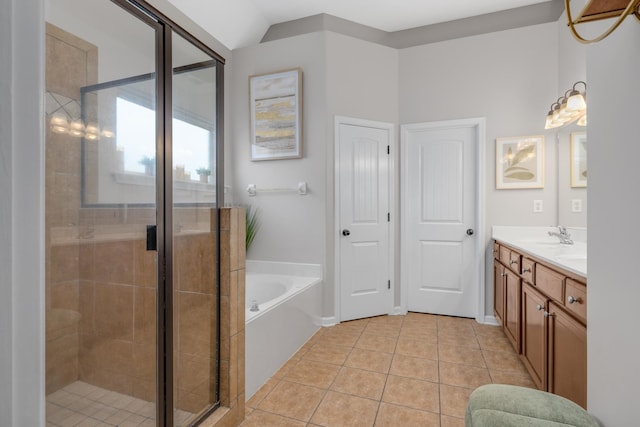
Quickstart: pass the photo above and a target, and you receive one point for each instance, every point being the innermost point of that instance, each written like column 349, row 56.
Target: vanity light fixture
column 62, row 120
column 568, row 108
column 596, row 10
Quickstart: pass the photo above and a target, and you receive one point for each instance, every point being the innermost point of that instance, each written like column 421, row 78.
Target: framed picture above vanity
column 578, row 159
column 520, row 162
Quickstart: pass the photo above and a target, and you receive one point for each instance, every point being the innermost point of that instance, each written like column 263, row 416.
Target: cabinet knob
column 512, row 261
column 573, row 299
column 503, row 274
column 539, row 307
column 547, row 314
column 526, row 270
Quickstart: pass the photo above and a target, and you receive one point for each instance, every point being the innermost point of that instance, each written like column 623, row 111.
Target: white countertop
column 537, row 242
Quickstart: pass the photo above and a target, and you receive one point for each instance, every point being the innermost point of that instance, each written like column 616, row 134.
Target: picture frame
column 578, row 158
column 520, row 162
column 276, row 115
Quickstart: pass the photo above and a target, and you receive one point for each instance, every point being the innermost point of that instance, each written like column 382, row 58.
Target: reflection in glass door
column 131, row 219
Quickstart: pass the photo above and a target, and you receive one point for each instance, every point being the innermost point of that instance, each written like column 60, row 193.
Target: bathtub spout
column 254, row 306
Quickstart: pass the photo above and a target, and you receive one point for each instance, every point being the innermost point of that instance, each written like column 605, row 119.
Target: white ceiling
column 240, row 23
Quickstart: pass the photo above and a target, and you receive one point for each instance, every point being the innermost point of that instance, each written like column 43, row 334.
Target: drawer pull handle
column 526, row 270
column 547, row 314
column 513, row 261
column 573, row 299
column 539, row 307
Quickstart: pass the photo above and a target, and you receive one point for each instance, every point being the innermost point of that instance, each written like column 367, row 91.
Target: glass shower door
column 195, row 238
column 102, row 282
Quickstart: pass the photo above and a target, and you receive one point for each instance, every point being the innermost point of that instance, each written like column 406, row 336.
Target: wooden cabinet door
column 498, row 291
column 512, row 309
column 534, row 335
column 567, row 356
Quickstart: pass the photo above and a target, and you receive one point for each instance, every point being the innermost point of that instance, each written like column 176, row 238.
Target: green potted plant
column 204, row 174
column 252, row 225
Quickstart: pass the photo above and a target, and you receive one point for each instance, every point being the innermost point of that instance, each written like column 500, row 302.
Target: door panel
column 363, row 187
column 534, row 337
column 439, row 262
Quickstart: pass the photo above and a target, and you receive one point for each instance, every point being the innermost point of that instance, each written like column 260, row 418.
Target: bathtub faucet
column 563, row 235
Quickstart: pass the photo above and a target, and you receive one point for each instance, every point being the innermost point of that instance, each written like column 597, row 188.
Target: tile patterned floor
column 413, row 370
column 84, row 405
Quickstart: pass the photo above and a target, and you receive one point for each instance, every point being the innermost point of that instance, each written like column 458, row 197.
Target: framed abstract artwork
column 578, row 159
column 276, row 115
column 520, row 162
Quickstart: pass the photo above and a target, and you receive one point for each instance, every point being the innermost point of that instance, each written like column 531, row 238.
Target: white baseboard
column 491, row 320
column 398, row 311
column 329, row 321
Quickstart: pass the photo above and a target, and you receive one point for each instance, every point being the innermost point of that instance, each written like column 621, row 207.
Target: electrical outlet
column 537, row 206
column 576, row 205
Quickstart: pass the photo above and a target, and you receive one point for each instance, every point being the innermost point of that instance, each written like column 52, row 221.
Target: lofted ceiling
column 240, row 23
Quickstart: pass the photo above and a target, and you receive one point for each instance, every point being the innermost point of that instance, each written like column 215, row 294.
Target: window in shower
column 132, row 197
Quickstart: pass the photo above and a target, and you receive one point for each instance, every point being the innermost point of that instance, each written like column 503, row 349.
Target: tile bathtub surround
column 417, row 369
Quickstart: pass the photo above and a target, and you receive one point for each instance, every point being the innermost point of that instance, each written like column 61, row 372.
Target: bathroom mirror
column 572, row 176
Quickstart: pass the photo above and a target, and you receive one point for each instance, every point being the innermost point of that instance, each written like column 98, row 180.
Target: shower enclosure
column 133, row 186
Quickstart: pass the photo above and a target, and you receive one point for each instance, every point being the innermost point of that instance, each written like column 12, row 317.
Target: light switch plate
column 537, row 206
column 576, row 205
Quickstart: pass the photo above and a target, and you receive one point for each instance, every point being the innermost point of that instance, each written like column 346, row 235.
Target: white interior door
column 439, row 261
column 363, row 218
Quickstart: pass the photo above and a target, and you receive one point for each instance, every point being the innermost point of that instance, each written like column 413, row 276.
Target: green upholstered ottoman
column 498, row 405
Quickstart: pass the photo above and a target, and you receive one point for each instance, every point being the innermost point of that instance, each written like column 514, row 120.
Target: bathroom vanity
column 540, row 298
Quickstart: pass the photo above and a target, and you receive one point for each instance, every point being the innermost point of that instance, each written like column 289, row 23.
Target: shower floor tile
column 84, row 405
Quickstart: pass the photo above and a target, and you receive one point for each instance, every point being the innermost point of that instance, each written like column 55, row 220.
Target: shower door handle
column 152, row 237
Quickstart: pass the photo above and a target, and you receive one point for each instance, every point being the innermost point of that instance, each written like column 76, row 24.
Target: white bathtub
column 289, row 298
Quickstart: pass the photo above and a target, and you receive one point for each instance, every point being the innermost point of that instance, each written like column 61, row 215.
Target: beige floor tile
column 454, row 400
column 328, row 353
column 512, row 378
column 382, row 329
column 462, row 355
column 488, row 330
column 292, row 400
column 447, row 421
column 264, row 419
column 313, row 373
column 262, row 393
column 458, row 340
column 391, row 321
column 462, row 330
column 420, row 333
column 338, row 409
column 395, row 416
column 354, row 325
column 377, row 342
column 360, row 383
column 417, row 348
column 413, row 393
column 495, row 343
column 345, row 337
column 463, row 375
column 414, row 367
column 369, row 360
column 286, row 368
column 503, row 360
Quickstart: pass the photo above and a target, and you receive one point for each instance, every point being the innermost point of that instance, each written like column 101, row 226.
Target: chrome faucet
column 563, row 235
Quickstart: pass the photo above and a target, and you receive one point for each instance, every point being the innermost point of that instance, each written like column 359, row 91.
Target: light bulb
column 576, row 102
column 76, row 128
column 59, row 123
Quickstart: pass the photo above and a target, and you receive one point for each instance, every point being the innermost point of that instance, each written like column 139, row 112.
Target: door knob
column 346, row 232
column 469, row 231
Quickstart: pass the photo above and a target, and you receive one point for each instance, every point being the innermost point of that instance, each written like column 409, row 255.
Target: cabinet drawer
column 576, row 299
column 496, row 250
column 505, row 255
column 550, row 282
column 528, row 270
column 514, row 261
